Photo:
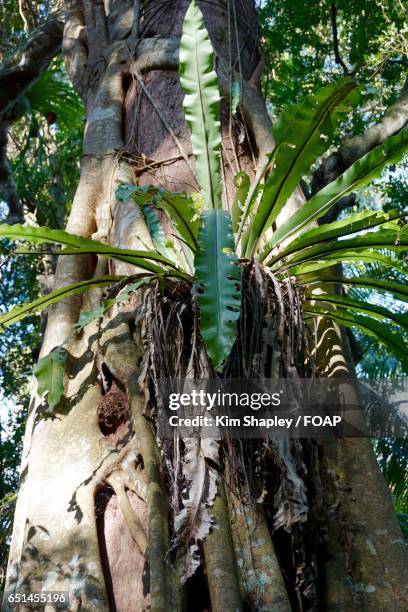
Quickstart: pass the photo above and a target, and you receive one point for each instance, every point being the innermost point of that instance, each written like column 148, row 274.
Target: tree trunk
column 93, row 511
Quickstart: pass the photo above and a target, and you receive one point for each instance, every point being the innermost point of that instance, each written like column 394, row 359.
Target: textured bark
column 367, row 557
column 356, row 575
column 261, row 582
column 222, row 572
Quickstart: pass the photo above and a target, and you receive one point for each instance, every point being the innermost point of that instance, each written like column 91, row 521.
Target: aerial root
column 135, row 527
column 260, row 577
column 220, row 561
column 158, row 508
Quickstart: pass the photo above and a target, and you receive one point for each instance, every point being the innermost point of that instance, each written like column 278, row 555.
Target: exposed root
column 261, row 583
column 135, row 527
column 122, row 358
column 158, row 534
column 220, row 561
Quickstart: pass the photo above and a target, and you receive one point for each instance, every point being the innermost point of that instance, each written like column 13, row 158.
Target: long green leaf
column 24, row 310
column 355, row 258
column 201, row 103
column 217, row 285
column 305, row 132
column 382, row 239
column 182, row 210
column 136, row 258
column 76, row 245
column 359, row 306
column 40, row 235
column 373, row 327
column 352, row 224
column 355, row 177
column 397, row 289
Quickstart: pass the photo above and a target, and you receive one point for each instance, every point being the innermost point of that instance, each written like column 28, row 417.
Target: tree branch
column 25, row 65
column 18, row 73
column 354, row 147
column 74, row 46
column 8, row 190
column 337, row 56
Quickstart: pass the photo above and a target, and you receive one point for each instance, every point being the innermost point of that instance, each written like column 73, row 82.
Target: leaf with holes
column 235, row 96
column 217, row 284
column 162, row 245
